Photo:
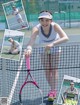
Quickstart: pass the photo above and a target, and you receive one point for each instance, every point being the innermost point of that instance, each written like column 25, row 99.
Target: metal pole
column 56, row 13
column 4, row 78
column 63, row 12
column 64, row 19
column 69, row 15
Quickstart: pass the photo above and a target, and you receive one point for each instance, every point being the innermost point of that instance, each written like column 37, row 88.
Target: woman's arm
column 33, row 37
column 31, row 41
column 62, row 34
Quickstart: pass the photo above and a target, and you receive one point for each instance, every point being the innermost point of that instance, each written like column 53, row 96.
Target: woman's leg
column 21, row 22
column 50, row 63
column 15, row 51
column 45, row 63
column 54, row 70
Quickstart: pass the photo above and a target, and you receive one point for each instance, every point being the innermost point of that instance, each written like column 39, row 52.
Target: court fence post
column 4, row 78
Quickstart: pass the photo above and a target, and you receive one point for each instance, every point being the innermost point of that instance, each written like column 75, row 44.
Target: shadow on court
column 30, row 102
column 10, row 56
column 37, row 101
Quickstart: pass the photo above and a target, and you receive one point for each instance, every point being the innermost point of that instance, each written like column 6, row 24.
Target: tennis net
column 67, row 59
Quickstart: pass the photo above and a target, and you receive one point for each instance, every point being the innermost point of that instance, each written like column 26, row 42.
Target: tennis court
column 13, row 24
column 66, row 84
column 13, row 73
column 5, row 54
column 69, row 64
column 11, row 18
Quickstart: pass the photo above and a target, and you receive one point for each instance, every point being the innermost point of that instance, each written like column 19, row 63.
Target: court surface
column 14, row 25
column 30, row 93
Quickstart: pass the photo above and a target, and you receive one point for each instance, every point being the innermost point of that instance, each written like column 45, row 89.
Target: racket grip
column 28, row 62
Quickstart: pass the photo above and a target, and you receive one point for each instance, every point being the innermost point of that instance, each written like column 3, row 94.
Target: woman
column 15, row 46
column 51, row 34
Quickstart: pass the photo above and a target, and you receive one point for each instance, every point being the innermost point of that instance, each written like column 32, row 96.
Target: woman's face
column 45, row 22
column 11, row 40
column 14, row 8
column 72, row 85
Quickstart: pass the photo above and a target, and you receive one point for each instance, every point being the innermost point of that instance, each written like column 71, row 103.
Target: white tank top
column 72, row 91
column 52, row 36
column 16, row 11
column 45, row 39
column 17, row 14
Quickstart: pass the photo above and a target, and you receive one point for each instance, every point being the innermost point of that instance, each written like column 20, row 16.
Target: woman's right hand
column 27, row 53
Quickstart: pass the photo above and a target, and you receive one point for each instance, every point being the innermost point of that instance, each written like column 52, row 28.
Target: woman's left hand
column 49, row 46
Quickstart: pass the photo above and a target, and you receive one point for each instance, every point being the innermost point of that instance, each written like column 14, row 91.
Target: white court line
column 15, row 82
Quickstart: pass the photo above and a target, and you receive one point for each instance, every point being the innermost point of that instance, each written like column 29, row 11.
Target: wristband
column 29, row 48
column 53, row 44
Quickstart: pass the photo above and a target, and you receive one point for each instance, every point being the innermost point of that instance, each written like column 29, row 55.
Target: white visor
column 45, row 15
column 72, row 83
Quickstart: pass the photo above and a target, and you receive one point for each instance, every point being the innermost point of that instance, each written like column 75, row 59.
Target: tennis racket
column 32, row 81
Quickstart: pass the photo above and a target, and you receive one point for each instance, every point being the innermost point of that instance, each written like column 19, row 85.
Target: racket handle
column 28, row 62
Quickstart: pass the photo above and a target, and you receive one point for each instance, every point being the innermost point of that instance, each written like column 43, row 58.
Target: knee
column 56, row 72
